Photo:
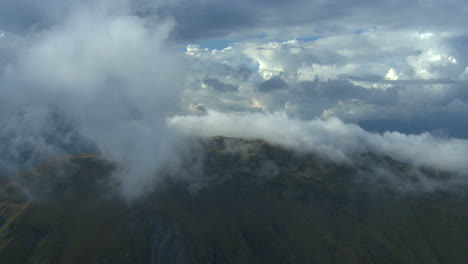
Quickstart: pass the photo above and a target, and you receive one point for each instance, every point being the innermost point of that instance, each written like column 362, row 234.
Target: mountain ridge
column 251, row 202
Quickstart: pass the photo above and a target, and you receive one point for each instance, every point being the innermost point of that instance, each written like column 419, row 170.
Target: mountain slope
column 250, row 203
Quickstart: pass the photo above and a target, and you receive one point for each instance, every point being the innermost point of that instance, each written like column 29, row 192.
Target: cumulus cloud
column 372, row 75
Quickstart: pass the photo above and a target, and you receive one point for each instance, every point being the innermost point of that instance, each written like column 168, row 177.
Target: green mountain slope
column 250, row 203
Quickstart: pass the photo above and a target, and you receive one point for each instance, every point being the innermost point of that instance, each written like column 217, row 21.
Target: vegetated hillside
column 250, row 203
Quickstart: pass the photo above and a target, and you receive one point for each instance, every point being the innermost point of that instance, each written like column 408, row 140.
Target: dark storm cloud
column 200, row 19
column 209, row 19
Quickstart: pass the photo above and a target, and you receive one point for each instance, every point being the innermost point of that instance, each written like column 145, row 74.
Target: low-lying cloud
column 330, row 138
column 110, row 74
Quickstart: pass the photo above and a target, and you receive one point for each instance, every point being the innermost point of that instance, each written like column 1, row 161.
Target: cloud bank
column 330, row 138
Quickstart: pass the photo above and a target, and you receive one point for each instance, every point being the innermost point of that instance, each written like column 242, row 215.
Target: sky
column 385, row 65
column 125, row 78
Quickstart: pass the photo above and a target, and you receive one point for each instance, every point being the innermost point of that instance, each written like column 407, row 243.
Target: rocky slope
column 249, row 203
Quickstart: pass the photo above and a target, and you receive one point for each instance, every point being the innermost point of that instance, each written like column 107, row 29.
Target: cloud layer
column 201, row 19
column 330, row 138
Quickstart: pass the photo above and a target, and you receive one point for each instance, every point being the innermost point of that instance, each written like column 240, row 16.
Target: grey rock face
column 167, row 243
column 2, row 221
column 164, row 239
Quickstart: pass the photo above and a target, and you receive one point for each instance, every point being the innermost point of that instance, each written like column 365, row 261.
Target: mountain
column 249, row 202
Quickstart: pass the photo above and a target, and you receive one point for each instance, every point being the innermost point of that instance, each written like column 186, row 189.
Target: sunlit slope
column 250, row 203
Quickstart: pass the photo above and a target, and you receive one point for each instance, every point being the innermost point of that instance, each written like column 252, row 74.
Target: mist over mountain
column 210, row 131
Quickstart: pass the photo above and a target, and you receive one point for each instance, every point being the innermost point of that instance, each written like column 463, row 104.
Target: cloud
column 23, row 15
column 211, row 19
column 201, row 19
column 29, row 134
column 218, row 85
column 373, row 75
column 330, row 138
column 272, row 84
column 114, row 71
column 111, row 75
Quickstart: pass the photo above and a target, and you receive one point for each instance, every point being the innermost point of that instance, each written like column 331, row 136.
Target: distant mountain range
column 248, row 202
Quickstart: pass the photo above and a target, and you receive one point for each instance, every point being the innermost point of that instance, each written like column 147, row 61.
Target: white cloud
column 342, row 75
column 330, row 138
column 391, row 75
column 109, row 73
